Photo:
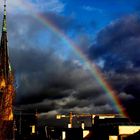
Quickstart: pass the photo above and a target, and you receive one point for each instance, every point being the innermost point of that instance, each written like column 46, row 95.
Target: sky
column 52, row 77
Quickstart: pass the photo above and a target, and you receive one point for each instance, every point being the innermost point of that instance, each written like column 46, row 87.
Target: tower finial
column 4, row 28
column 4, row 2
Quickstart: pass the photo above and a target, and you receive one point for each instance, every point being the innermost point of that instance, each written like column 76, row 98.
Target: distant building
column 135, row 136
column 112, row 129
column 25, row 125
column 104, row 127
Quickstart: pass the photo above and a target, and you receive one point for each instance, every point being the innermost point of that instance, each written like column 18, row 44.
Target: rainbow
column 112, row 94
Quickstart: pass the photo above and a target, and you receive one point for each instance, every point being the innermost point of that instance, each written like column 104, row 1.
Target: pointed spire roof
column 4, row 57
column 4, row 27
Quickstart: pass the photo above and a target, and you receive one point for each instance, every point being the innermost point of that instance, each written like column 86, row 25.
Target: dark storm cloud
column 48, row 83
column 117, row 49
column 60, row 82
column 117, row 44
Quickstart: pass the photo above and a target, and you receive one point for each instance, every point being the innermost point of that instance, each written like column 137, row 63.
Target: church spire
column 4, row 27
column 6, row 77
column 4, row 58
